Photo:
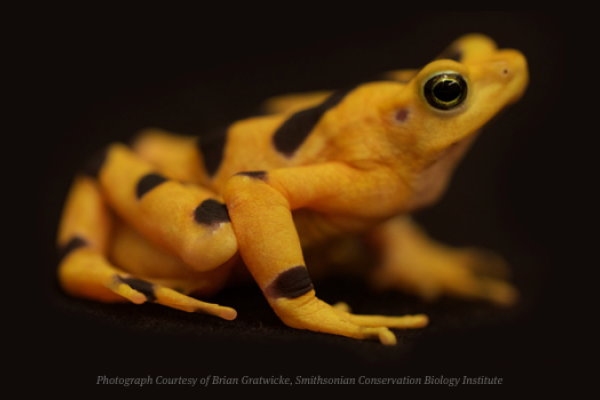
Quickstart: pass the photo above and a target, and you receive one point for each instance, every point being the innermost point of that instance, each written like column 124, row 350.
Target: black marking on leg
column 147, row 183
column 291, row 283
column 211, row 212
column 145, row 288
column 94, row 164
column 75, row 243
column 292, row 133
column 262, row 175
column 212, row 147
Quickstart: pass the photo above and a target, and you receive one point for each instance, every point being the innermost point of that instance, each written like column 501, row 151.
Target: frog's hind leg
column 84, row 270
column 413, row 262
column 183, row 219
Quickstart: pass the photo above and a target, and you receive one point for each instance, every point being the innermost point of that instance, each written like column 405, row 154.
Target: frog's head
column 440, row 110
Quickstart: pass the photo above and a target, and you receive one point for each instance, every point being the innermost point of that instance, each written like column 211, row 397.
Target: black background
column 102, row 79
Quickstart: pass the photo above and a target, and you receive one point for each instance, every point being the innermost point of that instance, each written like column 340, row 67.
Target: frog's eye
column 445, row 91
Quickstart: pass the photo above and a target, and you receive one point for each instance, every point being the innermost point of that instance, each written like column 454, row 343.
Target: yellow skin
column 379, row 153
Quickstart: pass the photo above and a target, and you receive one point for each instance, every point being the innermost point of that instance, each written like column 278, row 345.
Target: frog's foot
column 309, row 312
column 417, row 264
column 467, row 273
column 86, row 273
column 169, row 297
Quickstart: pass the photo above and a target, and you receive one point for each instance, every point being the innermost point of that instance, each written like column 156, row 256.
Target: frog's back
column 326, row 131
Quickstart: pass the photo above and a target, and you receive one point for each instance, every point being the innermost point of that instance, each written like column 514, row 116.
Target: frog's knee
column 243, row 181
column 254, row 187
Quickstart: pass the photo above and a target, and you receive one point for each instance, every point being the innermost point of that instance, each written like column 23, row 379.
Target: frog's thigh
column 417, row 264
column 260, row 206
column 84, row 270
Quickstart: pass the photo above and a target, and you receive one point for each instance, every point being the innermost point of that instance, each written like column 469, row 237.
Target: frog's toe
column 125, row 287
column 173, row 299
column 342, row 306
column 484, row 262
column 403, row 322
column 479, row 274
column 463, row 283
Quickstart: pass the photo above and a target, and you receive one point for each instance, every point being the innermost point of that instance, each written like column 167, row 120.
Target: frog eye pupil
column 445, row 91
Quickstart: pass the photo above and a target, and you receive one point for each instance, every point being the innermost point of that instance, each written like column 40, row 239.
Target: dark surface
column 103, row 82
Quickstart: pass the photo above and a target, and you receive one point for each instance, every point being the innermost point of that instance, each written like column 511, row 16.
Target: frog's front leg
column 415, row 263
column 260, row 206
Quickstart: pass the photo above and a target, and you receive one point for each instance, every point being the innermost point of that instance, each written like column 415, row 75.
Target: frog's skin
column 174, row 216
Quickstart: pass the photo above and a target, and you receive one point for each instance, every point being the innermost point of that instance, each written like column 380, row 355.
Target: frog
column 173, row 219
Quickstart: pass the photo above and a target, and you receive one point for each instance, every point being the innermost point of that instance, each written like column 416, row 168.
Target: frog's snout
column 512, row 69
